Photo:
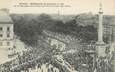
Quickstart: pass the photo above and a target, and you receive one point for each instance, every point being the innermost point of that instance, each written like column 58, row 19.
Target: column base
column 100, row 49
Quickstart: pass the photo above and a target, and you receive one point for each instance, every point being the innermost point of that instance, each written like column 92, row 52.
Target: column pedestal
column 100, row 49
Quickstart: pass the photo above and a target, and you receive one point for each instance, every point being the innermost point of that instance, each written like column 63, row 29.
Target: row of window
column 1, row 43
column 1, row 35
column 8, row 28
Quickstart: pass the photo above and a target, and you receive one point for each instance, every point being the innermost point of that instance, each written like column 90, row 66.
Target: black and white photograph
column 57, row 35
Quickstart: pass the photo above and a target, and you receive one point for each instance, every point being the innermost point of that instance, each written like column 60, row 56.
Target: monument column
column 100, row 26
column 100, row 45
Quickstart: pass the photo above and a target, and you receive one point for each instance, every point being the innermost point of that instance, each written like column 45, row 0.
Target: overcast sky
column 77, row 6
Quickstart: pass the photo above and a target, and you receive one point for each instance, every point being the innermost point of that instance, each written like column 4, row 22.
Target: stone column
column 100, row 27
column 100, row 44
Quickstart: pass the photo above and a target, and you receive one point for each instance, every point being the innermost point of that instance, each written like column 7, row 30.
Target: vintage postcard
column 57, row 35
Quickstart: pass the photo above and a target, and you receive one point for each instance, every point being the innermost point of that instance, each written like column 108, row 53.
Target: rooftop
column 5, row 18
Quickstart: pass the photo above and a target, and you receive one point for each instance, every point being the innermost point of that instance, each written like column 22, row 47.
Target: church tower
column 100, row 45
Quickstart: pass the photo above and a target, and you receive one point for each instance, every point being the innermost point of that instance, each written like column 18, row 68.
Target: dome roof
column 5, row 18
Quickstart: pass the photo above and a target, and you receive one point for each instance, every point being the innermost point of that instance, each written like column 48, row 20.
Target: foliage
column 83, row 26
column 29, row 30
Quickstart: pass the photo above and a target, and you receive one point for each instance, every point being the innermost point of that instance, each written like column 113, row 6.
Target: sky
column 75, row 6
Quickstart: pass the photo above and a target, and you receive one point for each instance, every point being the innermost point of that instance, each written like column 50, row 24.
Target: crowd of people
column 45, row 67
column 31, row 66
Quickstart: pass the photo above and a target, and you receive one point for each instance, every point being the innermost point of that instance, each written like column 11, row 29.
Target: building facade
column 6, row 33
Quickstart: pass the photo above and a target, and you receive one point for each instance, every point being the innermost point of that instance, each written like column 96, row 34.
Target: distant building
column 6, row 33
